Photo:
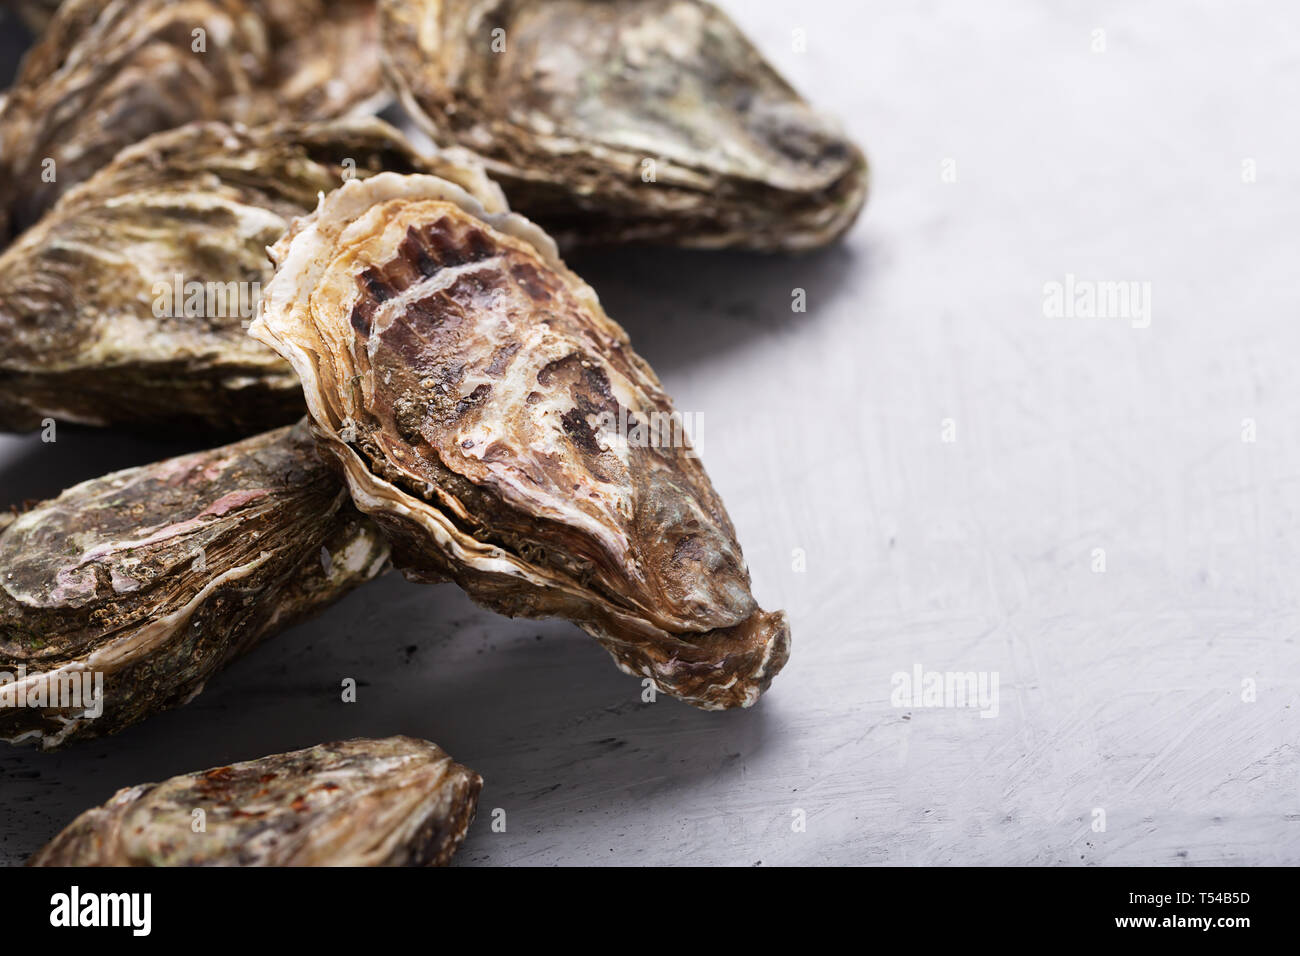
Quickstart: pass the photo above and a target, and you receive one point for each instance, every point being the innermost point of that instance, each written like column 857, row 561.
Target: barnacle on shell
column 626, row 120
column 124, row 595
column 391, row 802
column 473, row 391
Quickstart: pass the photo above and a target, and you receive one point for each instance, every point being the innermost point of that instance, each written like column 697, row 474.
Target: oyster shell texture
column 156, row 577
column 567, row 100
column 391, row 802
column 98, row 319
column 107, row 73
column 458, row 371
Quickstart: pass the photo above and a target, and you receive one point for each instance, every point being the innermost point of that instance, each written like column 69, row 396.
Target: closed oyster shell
column 108, row 73
column 391, row 802
column 95, row 299
column 157, row 577
column 575, row 104
column 459, row 372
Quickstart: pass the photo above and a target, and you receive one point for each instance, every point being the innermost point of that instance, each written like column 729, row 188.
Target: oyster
column 325, row 57
column 472, row 389
column 128, row 302
column 391, row 802
column 626, row 120
column 125, row 594
column 107, row 73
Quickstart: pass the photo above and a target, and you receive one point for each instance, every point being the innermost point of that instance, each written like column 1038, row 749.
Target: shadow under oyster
column 107, row 73
column 128, row 303
column 124, row 595
column 471, row 387
column 391, row 802
column 626, row 120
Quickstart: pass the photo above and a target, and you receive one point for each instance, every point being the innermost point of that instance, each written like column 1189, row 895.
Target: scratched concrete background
column 1161, row 691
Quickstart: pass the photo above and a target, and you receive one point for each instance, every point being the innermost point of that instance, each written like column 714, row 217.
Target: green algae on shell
column 124, row 595
column 391, row 802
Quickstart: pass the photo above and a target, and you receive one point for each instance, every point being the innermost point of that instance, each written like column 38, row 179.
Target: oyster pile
column 107, row 73
column 391, row 802
column 198, row 234
column 638, row 120
column 463, row 378
column 129, row 302
column 124, row 595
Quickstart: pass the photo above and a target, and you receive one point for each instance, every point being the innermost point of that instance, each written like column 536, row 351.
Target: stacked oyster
column 129, row 302
column 639, row 120
column 457, row 383
column 392, row 802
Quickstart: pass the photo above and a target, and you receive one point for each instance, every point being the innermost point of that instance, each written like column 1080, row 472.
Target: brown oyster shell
column 567, row 100
column 157, row 577
column 95, row 317
column 107, row 73
column 457, row 370
column 325, row 57
column 391, row 802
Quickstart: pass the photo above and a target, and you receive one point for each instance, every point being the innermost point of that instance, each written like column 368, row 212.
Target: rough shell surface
column 391, row 802
column 155, row 578
column 128, row 303
column 475, row 394
column 107, row 73
column 626, row 120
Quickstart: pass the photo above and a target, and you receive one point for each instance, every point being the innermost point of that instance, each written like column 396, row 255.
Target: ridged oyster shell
column 95, row 322
column 155, row 578
column 108, row 73
column 391, row 802
column 457, row 371
column 574, row 104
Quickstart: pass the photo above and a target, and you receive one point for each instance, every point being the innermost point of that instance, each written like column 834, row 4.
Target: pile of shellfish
column 424, row 384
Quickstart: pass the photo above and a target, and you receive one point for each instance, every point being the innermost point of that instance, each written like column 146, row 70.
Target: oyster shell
column 391, row 802
column 128, row 302
column 125, row 594
column 569, row 102
column 464, row 378
column 325, row 57
column 107, row 73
